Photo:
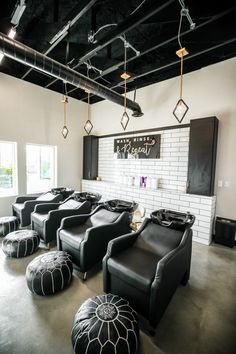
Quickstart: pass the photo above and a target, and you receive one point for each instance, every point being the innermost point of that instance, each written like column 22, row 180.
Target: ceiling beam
column 159, row 45
column 176, row 62
column 84, row 6
column 129, row 23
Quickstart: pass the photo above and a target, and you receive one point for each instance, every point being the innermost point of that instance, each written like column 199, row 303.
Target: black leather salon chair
column 86, row 237
column 146, row 267
column 46, row 218
column 24, row 205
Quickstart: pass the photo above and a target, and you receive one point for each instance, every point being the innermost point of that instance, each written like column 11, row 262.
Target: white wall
column 208, row 92
column 31, row 114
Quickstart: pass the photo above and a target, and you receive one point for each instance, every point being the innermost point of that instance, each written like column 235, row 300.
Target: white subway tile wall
column 202, row 207
column 171, row 168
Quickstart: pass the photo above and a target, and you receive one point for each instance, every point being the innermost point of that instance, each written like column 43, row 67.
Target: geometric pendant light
column 88, row 125
column 125, row 118
column 181, row 107
column 65, row 130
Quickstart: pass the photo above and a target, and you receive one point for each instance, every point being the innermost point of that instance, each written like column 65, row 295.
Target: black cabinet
column 202, row 156
column 225, row 231
column 90, row 157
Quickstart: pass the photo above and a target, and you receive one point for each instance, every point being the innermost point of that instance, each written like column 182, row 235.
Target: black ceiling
column 151, row 30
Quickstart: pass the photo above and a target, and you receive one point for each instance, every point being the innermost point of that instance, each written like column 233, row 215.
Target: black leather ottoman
column 20, row 243
column 49, row 273
column 8, row 224
column 105, row 324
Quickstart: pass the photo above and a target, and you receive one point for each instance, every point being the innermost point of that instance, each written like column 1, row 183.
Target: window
column 40, row 167
column 8, row 169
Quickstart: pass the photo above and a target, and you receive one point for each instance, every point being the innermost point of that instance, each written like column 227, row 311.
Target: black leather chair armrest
column 174, row 259
column 77, row 220
column 71, row 221
column 30, row 204
column 63, row 213
column 24, row 198
column 94, row 245
column 118, row 245
column 45, row 207
column 169, row 266
column 118, row 227
column 169, row 272
column 121, row 243
column 27, row 210
column 125, row 241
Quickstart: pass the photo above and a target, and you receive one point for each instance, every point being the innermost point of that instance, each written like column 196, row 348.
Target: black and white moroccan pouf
column 105, row 324
column 20, row 243
column 8, row 224
column 49, row 273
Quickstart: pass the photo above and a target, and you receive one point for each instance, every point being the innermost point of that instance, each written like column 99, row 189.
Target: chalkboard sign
column 139, row 147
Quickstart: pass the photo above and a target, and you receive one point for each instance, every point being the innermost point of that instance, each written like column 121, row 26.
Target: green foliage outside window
column 6, row 177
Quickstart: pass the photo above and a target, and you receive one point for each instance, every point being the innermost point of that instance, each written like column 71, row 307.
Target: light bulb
column 65, row 131
column 88, row 127
column 12, row 33
column 124, row 120
column 180, row 110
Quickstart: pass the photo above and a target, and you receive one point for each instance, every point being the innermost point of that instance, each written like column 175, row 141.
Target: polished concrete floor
column 201, row 318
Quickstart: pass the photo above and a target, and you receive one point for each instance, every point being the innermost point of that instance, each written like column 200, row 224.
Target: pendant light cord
column 182, row 58
column 125, row 66
column 65, row 101
column 181, row 77
column 125, row 97
column 179, row 30
column 64, row 113
column 88, row 106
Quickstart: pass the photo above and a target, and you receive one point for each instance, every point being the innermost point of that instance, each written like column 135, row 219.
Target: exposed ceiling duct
column 30, row 57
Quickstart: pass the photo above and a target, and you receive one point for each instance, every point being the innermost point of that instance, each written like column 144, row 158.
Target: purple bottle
column 144, row 181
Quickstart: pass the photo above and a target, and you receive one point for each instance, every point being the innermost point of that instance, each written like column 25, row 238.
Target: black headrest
column 87, row 196
column 120, row 205
column 65, row 192
column 58, row 190
column 173, row 219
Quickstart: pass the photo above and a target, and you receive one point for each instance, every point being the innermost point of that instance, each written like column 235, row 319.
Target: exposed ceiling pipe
column 30, row 57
